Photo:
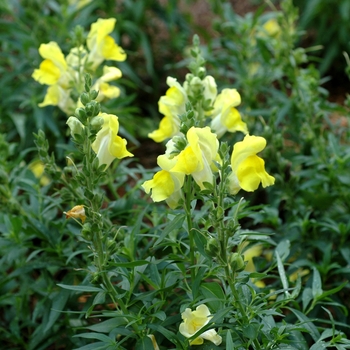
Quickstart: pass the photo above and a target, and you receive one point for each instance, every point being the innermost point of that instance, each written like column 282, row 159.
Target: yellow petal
column 162, row 186
column 233, row 122
column 249, row 146
column 111, row 50
column 165, row 131
column 251, row 172
column 48, row 73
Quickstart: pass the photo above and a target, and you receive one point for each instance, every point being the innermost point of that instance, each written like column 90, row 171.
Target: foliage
column 242, row 241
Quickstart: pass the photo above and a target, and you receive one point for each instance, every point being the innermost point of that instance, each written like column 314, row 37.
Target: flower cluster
column 64, row 75
column 222, row 113
column 196, row 152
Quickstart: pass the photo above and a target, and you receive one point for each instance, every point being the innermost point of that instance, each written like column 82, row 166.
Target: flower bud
column 75, row 126
column 85, row 98
column 96, row 122
column 236, row 262
column 93, row 94
column 80, row 113
column 212, row 248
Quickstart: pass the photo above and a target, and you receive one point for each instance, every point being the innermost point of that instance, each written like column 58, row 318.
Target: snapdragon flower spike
column 108, row 145
column 171, row 105
column 193, row 321
column 197, row 159
column 101, row 45
column 248, row 170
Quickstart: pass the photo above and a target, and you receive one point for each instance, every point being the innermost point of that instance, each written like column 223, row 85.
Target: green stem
column 188, row 199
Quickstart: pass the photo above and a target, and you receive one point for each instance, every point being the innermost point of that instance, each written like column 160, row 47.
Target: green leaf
column 306, row 297
column 144, row 344
column 59, row 302
column 229, row 341
column 80, row 288
column 98, row 336
column 175, row 224
column 316, row 284
column 251, row 331
column 307, row 323
column 129, row 264
column 282, row 273
column 215, row 295
column 108, row 325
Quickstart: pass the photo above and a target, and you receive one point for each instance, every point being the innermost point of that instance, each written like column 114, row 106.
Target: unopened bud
column 212, row 248
column 85, row 98
column 93, row 94
column 96, row 122
column 237, row 262
column 75, row 126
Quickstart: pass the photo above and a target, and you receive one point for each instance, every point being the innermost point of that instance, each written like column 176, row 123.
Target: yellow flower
column 272, row 28
column 54, row 66
column 101, row 45
column 193, row 321
column 300, row 272
column 101, row 85
column 249, row 255
column 165, row 185
column 197, row 158
column 248, row 170
column 225, row 116
column 58, row 96
column 171, row 105
column 77, row 212
column 108, row 145
column 37, row 167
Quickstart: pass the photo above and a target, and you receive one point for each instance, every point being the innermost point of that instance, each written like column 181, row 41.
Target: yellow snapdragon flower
column 107, row 91
column 108, row 145
column 197, row 158
column 171, row 105
column 77, row 212
column 165, row 185
column 225, row 117
column 193, row 321
column 101, row 45
column 248, row 170
column 53, row 68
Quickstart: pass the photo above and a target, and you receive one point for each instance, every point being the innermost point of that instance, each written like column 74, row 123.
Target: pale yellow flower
column 108, row 145
column 165, row 185
column 101, row 45
column 37, row 167
column 54, row 67
column 197, row 159
column 248, row 170
column 193, row 321
column 107, row 91
column 58, row 96
column 225, row 117
column 171, row 105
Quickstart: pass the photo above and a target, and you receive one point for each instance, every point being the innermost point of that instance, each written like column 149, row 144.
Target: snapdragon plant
column 178, row 276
